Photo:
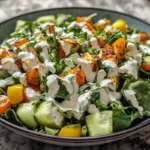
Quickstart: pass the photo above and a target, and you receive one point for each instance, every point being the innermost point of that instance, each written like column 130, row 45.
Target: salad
column 73, row 76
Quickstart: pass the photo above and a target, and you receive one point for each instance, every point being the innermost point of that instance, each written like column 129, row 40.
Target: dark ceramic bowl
column 8, row 26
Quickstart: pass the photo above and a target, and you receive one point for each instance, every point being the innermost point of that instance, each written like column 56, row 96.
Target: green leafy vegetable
column 142, row 90
column 61, row 18
column 62, row 93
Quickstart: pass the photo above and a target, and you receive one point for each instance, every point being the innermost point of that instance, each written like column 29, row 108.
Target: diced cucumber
column 19, row 24
column 61, row 18
column 48, row 115
column 51, row 131
column 80, row 40
column 99, row 123
column 83, row 130
column 25, row 113
column 43, row 19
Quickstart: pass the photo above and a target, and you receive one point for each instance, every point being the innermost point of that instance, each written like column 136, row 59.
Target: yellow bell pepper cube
column 120, row 24
column 71, row 130
column 15, row 93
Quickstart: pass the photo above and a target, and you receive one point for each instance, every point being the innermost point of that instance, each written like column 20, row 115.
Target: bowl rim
column 122, row 133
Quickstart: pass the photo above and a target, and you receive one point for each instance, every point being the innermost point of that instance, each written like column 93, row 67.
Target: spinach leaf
column 98, row 32
column 142, row 90
column 115, row 35
column 3, row 74
column 62, row 93
column 43, row 86
column 59, row 63
column 10, row 114
column 121, row 120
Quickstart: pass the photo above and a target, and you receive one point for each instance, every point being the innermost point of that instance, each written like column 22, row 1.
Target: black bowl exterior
column 7, row 27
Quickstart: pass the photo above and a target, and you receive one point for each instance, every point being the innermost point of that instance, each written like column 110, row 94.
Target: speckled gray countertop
column 9, row 8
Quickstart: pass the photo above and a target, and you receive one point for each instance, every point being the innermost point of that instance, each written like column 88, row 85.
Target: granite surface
column 9, row 8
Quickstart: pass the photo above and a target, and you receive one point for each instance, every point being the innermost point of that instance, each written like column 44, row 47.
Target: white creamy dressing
column 24, row 55
column 71, row 104
column 22, row 79
column 82, row 26
column 77, row 104
column 70, row 83
column 83, row 100
column 58, row 30
column 101, row 74
column 132, row 50
column 114, row 96
column 32, row 94
column 29, row 64
column 45, row 54
column 94, row 43
column 135, row 37
column 50, row 66
column 85, row 86
column 108, row 83
column 130, row 96
column 66, row 81
column 16, row 75
column 66, row 47
column 86, row 67
column 89, row 33
column 53, row 87
column 130, row 67
column 6, row 82
column 92, row 109
column 74, row 57
column 113, row 69
column 46, row 25
column 69, row 62
column 75, row 24
column 74, row 84
column 9, row 65
column 11, row 42
column 68, row 35
column 108, row 28
column 72, row 25
column 45, row 49
column 42, row 70
column 104, row 97
column 145, row 49
column 102, row 21
column 28, row 60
